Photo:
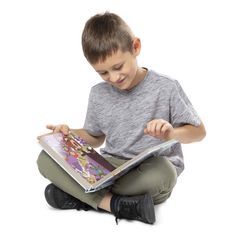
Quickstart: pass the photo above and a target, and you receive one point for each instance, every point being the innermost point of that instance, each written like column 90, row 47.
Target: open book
column 85, row 165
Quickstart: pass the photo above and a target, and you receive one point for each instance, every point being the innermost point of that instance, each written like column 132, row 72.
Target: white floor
column 203, row 203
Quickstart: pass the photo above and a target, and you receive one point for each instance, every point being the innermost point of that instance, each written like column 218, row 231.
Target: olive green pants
column 155, row 175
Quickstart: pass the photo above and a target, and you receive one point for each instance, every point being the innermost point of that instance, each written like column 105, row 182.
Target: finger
column 65, row 129
column 157, row 130
column 51, row 127
column 151, row 128
column 57, row 129
column 165, row 127
column 159, row 126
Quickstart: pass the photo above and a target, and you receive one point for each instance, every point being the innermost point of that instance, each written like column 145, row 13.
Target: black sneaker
column 139, row 207
column 59, row 199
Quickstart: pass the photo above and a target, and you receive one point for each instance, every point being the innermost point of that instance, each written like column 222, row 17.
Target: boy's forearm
column 189, row 133
column 91, row 140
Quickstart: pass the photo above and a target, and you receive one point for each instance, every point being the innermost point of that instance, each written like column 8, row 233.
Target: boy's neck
column 140, row 75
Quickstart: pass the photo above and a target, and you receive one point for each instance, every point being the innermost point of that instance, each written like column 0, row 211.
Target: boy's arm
column 94, row 141
column 189, row 133
column 162, row 129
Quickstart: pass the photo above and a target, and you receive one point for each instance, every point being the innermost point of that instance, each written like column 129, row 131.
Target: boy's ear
column 136, row 46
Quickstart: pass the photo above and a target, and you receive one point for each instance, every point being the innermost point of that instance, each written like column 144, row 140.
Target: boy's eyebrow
column 113, row 66
column 99, row 71
column 118, row 64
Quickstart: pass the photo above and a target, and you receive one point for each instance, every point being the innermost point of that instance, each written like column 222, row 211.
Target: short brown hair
column 105, row 34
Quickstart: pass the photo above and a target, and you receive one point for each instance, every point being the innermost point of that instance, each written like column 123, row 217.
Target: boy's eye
column 118, row 67
column 103, row 73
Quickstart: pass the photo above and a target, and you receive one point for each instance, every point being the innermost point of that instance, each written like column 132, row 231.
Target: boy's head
column 104, row 35
column 111, row 48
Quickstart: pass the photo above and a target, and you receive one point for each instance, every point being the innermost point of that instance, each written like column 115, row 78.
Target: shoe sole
column 149, row 212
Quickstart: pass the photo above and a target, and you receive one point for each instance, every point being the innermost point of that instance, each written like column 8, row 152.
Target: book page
column 79, row 155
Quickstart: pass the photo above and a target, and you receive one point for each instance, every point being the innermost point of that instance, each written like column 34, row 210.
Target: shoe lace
column 73, row 203
column 68, row 203
column 127, row 210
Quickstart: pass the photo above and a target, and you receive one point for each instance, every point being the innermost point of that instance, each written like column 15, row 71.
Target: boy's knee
column 162, row 175
column 168, row 175
column 42, row 162
column 155, row 175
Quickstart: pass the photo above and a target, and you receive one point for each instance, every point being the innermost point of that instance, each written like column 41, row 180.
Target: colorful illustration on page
column 76, row 153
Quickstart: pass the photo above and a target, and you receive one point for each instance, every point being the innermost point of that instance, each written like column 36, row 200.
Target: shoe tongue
column 129, row 208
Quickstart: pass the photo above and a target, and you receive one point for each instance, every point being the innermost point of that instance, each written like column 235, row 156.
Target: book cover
column 84, row 164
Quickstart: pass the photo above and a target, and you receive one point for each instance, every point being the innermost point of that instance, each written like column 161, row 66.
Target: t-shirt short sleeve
column 182, row 111
column 91, row 123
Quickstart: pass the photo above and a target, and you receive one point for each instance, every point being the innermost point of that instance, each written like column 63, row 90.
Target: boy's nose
column 114, row 77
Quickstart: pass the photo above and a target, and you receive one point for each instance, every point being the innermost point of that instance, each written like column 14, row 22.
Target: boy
column 135, row 108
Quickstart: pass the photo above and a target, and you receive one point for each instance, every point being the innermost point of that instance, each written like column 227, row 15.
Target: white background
column 44, row 78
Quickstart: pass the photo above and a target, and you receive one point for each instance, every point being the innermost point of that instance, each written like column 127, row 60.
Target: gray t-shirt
column 122, row 116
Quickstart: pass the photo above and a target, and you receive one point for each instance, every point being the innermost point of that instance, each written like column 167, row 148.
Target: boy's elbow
column 97, row 141
column 202, row 133
column 101, row 140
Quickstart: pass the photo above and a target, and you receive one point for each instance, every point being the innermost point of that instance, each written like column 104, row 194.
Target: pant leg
column 155, row 175
column 53, row 172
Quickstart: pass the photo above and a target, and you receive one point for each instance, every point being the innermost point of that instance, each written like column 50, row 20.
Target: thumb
column 51, row 127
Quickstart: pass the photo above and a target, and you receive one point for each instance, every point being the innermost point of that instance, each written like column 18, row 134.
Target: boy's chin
column 123, row 87
column 126, row 85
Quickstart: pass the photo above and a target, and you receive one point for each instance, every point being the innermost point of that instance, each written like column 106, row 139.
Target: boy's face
column 120, row 69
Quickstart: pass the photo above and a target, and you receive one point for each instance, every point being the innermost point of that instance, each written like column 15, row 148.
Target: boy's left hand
column 159, row 128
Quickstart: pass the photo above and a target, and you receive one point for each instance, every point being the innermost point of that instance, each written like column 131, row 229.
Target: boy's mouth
column 120, row 81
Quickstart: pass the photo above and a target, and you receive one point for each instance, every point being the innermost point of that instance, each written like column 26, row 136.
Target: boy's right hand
column 59, row 128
